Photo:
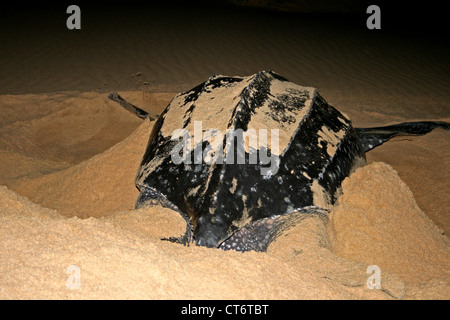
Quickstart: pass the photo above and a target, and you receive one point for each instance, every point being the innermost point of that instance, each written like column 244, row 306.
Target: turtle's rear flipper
column 372, row 137
column 130, row 107
column 259, row 234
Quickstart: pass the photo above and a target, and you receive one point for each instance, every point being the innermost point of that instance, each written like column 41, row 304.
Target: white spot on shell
column 306, row 175
column 233, row 186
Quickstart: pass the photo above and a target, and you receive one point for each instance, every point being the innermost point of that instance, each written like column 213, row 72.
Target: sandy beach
column 69, row 155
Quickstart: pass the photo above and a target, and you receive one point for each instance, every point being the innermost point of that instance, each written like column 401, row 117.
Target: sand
column 69, row 156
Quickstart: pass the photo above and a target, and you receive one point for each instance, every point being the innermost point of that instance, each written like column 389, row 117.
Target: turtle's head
column 210, row 235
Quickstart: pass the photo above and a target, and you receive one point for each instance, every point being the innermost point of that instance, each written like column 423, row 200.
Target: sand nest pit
column 120, row 254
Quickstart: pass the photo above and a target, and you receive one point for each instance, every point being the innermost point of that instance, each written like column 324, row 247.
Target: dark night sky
column 399, row 16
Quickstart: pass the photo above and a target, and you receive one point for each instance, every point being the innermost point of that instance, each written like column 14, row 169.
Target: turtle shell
column 234, row 150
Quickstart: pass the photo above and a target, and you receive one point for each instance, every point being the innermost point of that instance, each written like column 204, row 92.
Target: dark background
column 427, row 18
column 38, row 50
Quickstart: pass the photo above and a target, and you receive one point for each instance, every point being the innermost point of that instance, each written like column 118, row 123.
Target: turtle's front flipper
column 372, row 137
column 150, row 197
column 259, row 234
column 130, row 107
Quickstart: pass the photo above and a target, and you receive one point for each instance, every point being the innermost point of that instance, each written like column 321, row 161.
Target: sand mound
column 117, row 252
column 422, row 162
column 68, row 128
column 102, row 184
column 377, row 221
column 41, row 250
column 91, row 187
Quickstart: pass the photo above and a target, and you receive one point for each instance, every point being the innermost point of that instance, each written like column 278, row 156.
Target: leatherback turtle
column 241, row 158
